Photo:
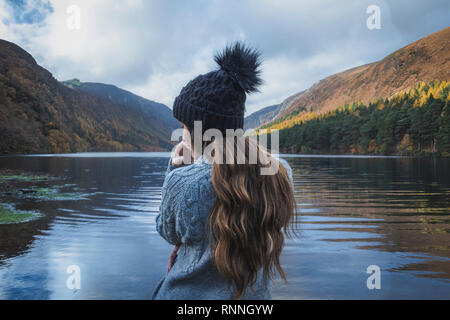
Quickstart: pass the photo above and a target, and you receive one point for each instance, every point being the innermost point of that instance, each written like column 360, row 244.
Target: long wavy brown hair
column 251, row 215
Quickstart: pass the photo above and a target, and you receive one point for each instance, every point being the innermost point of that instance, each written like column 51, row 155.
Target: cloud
column 154, row 48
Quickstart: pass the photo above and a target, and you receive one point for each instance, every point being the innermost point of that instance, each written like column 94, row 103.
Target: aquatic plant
column 52, row 193
column 23, row 177
column 22, row 186
column 8, row 214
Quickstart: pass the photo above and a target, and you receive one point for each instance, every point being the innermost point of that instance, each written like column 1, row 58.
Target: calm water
column 354, row 212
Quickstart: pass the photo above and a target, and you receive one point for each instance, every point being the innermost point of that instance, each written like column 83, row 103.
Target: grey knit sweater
column 187, row 199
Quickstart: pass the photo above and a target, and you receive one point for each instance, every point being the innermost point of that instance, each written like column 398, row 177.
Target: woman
column 226, row 220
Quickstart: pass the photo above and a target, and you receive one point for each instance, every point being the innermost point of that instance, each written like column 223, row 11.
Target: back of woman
column 227, row 212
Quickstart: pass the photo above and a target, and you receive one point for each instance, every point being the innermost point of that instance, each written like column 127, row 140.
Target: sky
column 153, row 48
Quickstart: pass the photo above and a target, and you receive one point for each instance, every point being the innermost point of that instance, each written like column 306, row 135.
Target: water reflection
column 354, row 212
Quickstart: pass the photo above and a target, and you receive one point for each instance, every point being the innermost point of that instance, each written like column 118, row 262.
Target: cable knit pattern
column 187, row 199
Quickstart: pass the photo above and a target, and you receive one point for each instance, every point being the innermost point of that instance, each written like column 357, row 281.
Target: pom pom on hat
column 242, row 64
column 217, row 98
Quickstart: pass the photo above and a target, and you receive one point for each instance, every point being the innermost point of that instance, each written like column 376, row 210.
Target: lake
column 353, row 212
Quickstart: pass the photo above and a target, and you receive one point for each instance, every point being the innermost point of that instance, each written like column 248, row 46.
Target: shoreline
column 167, row 154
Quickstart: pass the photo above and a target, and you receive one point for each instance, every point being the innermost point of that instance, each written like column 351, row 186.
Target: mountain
column 261, row 117
column 160, row 112
column 425, row 60
column 38, row 114
column 413, row 122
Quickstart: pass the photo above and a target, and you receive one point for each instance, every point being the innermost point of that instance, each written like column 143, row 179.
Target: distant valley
column 38, row 114
column 339, row 109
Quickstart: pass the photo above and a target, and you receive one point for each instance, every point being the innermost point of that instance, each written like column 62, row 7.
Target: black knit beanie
column 218, row 98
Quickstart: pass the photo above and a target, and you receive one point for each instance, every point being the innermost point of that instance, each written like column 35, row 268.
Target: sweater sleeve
column 170, row 167
column 183, row 209
column 289, row 170
column 166, row 219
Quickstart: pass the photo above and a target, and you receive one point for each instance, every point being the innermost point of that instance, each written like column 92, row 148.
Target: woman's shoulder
column 193, row 176
column 198, row 175
column 288, row 169
column 284, row 163
column 194, row 170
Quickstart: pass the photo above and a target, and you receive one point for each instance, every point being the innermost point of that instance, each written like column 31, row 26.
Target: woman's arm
column 176, row 158
column 170, row 167
column 166, row 219
column 187, row 198
column 172, row 199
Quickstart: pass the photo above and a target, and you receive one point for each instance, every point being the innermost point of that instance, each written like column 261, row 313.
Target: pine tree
column 444, row 131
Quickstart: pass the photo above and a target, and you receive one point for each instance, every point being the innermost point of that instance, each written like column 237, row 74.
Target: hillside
column 427, row 59
column 160, row 112
column 413, row 122
column 261, row 116
column 40, row 115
